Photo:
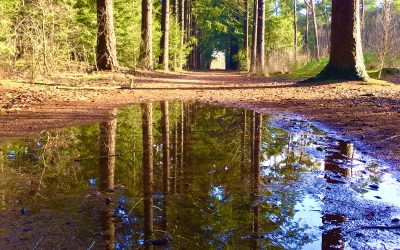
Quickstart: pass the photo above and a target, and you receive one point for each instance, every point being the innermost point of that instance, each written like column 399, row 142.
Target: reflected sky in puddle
column 93, row 186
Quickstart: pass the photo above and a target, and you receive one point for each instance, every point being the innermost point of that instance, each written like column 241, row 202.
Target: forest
column 199, row 124
column 45, row 36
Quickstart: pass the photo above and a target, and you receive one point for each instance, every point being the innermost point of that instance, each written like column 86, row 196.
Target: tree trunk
column 182, row 26
column 295, row 30
column 246, row 34
column 260, row 37
column 346, row 60
column 106, row 50
column 362, row 21
column 164, row 57
column 307, row 35
column 316, row 38
column 147, row 127
column 253, row 61
column 146, row 53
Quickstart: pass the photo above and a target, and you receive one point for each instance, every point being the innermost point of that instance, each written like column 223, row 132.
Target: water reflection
column 337, row 171
column 147, row 128
column 255, row 194
column 166, row 162
column 107, row 168
column 336, row 162
column 187, row 176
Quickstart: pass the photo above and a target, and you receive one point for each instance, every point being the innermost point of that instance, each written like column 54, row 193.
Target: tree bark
column 362, row 21
column 316, row 38
column 260, row 37
column 295, row 30
column 253, row 61
column 164, row 57
column 106, row 50
column 182, row 27
column 146, row 52
column 386, row 24
column 346, row 60
column 246, row 34
column 307, row 35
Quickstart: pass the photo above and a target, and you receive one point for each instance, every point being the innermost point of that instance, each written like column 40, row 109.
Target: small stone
column 374, row 187
column 24, row 210
column 378, row 197
column 395, row 220
column 27, row 228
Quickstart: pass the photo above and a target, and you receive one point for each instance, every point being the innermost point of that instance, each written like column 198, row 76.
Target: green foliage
column 279, row 27
column 127, row 21
column 7, row 13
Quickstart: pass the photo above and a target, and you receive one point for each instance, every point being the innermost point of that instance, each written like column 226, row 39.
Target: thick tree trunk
column 253, row 61
column 260, row 37
column 346, row 60
column 147, row 127
column 146, row 52
column 164, row 57
column 106, row 50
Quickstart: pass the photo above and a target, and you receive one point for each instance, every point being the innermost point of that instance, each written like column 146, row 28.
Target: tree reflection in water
column 190, row 176
column 337, row 172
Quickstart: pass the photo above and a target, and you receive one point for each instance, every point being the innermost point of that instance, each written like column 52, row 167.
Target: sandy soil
column 368, row 113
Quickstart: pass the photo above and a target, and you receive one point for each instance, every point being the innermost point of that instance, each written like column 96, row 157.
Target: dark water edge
column 231, row 180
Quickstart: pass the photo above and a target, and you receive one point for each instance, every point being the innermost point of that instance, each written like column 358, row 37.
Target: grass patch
column 312, row 68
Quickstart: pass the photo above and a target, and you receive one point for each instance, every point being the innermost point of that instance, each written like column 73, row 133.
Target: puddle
column 232, row 180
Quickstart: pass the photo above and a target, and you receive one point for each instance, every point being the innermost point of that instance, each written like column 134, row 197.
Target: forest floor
column 368, row 113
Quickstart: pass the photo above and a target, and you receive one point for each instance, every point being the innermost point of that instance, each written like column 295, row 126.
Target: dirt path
column 368, row 113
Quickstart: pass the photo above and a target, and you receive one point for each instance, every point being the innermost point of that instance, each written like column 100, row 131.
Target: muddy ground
column 367, row 113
